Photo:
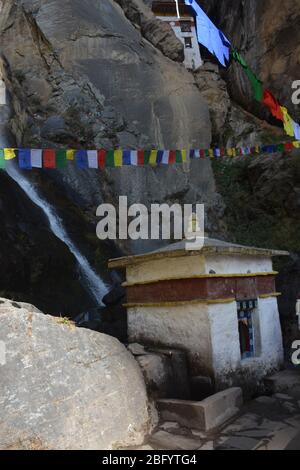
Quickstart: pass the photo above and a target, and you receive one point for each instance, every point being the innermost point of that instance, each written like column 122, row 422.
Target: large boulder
column 66, row 388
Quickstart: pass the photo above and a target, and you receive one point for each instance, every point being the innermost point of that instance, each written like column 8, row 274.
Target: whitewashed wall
column 192, row 55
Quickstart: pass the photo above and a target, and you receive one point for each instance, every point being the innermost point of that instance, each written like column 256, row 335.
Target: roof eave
column 123, row 262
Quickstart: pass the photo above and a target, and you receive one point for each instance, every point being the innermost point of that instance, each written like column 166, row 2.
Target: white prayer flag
column 166, row 157
column 92, row 159
column 134, row 157
column 36, row 158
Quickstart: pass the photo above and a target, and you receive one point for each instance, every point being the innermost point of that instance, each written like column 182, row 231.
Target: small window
column 188, row 43
column 246, row 312
column 186, row 27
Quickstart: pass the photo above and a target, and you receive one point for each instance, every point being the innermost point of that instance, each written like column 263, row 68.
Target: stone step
column 205, row 415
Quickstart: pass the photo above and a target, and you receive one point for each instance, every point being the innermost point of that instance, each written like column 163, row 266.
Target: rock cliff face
column 93, row 73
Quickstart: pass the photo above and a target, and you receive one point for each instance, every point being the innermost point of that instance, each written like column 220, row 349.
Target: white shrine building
column 184, row 28
column 219, row 305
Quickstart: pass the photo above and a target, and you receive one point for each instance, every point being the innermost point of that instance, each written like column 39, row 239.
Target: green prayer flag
column 2, row 160
column 280, row 147
column 61, row 159
column 257, row 85
column 238, row 58
column 110, row 159
column 178, row 156
column 147, row 155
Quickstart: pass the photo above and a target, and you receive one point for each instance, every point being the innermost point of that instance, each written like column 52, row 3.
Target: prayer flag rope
column 217, row 43
column 100, row 159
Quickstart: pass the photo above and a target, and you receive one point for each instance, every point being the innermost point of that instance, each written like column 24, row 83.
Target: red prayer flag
column 49, row 159
column 288, row 146
column 172, row 157
column 101, row 158
column 141, row 157
column 270, row 101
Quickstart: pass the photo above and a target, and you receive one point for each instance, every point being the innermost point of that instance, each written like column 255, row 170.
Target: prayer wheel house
column 219, row 305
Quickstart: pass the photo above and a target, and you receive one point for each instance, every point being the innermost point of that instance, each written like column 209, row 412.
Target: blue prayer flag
column 25, row 159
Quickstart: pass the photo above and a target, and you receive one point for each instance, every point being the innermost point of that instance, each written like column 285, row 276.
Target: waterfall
column 90, row 280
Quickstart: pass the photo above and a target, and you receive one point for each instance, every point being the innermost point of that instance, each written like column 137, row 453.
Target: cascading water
column 93, row 284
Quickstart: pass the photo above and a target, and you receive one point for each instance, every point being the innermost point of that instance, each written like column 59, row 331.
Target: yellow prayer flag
column 229, row 152
column 118, row 158
column 70, row 154
column 153, row 157
column 211, row 153
column 9, row 154
column 184, row 156
column 287, row 122
column 234, row 152
column 297, row 144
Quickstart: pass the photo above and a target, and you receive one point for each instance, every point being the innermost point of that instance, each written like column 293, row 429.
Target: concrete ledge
column 204, row 415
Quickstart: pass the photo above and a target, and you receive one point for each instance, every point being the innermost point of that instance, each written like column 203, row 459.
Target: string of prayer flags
column 99, row 159
column 267, row 98
column 209, row 35
column 217, row 43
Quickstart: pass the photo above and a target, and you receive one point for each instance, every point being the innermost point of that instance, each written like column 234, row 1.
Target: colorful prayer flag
column 24, row 156
column 141, row 157
column 209, row 35
column 296, row 130
column 172, row 157
column 101, row 158
column 270, row 101
column 165, row 158
column 109, row 159
column 179, row 156
column 134, row 157
column 61, row 159
column 70, row 154
column 159, row 157
column 36, row 158
column 118, row 158
column 9, row 154
column 49, row 159
column 92, row 157
column 287, row 122
column 147, row 156
column 2, row 159
column 81, row 159
column 153, row 156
